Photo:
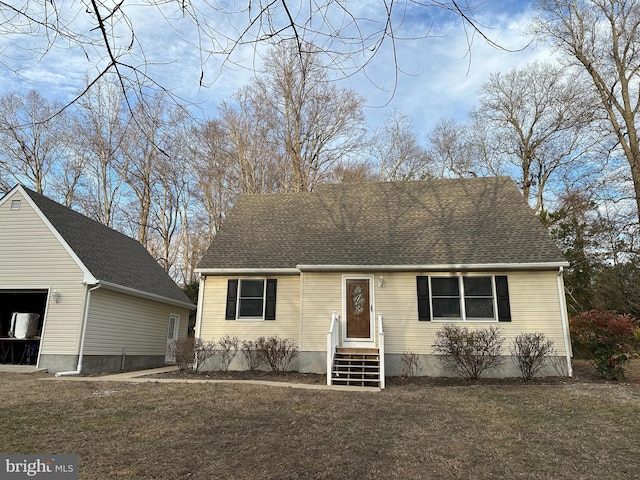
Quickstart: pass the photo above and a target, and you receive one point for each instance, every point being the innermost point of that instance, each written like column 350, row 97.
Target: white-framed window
column 251, row 294
column 463, row 298
column 251, row 299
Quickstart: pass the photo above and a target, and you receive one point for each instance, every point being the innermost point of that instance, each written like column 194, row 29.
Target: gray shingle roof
column 433, row 222
column 109, row 255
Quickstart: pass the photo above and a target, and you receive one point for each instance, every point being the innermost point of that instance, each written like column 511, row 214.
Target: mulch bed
column 583, row 372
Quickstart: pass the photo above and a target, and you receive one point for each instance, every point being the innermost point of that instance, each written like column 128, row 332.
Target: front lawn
column 572, row 430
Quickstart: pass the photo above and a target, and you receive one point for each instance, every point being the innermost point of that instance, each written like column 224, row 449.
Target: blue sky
column 441, row 77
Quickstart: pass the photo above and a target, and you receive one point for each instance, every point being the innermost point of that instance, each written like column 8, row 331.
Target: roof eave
column 458, row 267
column 435, row 267
column 205, row 272
column 146, row 295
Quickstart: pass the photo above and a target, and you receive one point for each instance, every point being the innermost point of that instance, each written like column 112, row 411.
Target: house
column 356, row 273
column 98, row 300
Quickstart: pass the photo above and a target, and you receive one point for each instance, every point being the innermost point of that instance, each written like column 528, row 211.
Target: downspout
column 565, row 321
column 198, row 328
column 84, row 331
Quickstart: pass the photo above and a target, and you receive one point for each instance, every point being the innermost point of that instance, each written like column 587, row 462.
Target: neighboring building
column 102, row 302
column 382, row 266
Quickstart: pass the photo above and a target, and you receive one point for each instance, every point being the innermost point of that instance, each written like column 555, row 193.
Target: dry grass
column 579, row 429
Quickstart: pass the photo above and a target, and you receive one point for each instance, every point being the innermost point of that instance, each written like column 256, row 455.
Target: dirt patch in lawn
column 171, row 431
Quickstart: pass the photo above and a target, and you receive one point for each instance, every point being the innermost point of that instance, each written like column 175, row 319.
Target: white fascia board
column 89, row 279
column 434, row 267
column 246, row 271
column 146, row 295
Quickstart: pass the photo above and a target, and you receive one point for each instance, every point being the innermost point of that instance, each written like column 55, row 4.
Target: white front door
column 172, row 336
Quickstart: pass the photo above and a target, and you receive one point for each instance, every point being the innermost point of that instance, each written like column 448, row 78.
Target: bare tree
column 601, row 38
column 396, row 149
column 166, row 215
column 462, row 150
column 250, row 158
column 536, row 119
column 32, row 141
column 145, row 150
column 99, row 129
column 213, row 175
column 312, row 124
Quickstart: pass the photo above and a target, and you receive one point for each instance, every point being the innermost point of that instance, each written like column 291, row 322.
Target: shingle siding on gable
column 435, row 222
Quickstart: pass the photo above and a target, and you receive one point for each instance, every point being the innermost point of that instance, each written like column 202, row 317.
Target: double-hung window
column 463, row 298
column 251, row 299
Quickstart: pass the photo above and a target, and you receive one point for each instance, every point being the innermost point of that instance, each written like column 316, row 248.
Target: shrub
column 251, row 354
column 203, row 351
column 409, row 364
column 608, row 340
column 182, row 350
column 227, row 351
column 277, row 353
column 530, row 352
column 471, row 353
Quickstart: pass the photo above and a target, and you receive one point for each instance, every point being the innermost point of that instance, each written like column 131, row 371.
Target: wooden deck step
column 356, row 367
column 358, row 351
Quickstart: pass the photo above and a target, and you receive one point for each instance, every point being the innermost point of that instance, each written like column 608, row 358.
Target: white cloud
column 441, row 80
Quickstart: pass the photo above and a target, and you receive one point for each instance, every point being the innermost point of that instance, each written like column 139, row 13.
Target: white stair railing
column 381, row 349
column 332, row 342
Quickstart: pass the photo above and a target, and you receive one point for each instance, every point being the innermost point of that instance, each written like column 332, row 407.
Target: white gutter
column 141, row 294
column 565, row 321
column 247, row 271
column 434, row 267
column 383, row 268
column 84, row 331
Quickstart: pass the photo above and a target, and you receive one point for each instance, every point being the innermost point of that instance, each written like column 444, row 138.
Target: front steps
column 356, row 367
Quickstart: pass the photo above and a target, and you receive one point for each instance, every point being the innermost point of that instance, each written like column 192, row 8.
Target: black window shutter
column 232, row 300
column 502, row 294
column 424, row 312
column 270, row 308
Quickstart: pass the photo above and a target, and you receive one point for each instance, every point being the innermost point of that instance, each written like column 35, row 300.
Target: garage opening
column 21, row 320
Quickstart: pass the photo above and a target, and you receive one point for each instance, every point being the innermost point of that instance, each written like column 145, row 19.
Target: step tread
column 355, row 350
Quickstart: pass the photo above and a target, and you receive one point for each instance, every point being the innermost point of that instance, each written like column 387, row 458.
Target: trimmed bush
column 471, row 353
column 607, row 339
column 530, row 352
column 409, row 364
column 251, row 354
column 182, row 350
column 227, row 350
column 277, row 353
column 203, row 351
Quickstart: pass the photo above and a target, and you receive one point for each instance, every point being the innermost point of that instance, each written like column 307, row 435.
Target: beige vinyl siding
column 533, row 296
column 286, row 324
column 321, row 296
column 117, row 320
column 32, row 257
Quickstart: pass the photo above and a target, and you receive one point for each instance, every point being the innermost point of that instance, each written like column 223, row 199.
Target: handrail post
column 331, row 344
column 381, row 350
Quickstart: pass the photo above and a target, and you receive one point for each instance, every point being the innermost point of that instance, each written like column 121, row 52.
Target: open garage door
column 24, row 349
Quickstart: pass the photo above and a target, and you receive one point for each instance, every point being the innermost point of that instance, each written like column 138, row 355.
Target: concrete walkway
column 142, row 376
column 20, row 369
